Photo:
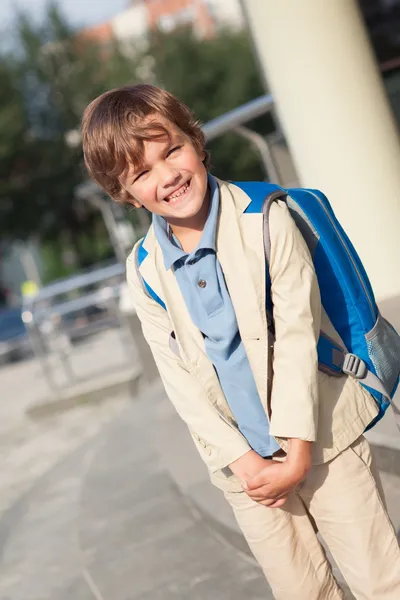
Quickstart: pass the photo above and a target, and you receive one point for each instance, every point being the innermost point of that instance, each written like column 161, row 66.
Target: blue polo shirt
column 202, row 283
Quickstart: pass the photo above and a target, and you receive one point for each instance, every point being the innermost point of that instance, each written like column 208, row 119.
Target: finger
column 260, row 493
column 267, row 502
column 255, row 489
column 267, row 492
column 273, row 503
column 255, row 482
column 280, row 502
column 259, row 480
column 264, row 497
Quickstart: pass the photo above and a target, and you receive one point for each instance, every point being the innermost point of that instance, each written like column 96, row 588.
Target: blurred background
column 56, row 57
column 78, row 387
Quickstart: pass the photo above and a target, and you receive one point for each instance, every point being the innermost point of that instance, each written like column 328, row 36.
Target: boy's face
column 172, row 181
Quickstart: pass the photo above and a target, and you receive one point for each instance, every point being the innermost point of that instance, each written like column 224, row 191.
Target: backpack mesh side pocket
column 383, row 344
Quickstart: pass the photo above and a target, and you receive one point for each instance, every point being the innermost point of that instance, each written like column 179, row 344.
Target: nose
column 168, row 176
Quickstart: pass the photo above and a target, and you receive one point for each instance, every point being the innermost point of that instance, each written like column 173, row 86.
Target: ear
column 135, row 203
column 129, row 199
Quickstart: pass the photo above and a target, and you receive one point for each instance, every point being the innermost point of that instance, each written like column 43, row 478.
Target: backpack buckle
column 354, row 366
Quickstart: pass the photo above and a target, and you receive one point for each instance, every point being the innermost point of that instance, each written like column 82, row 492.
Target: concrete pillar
column 343, row 137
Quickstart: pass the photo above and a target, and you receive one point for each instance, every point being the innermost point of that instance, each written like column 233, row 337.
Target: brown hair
column 113, row 131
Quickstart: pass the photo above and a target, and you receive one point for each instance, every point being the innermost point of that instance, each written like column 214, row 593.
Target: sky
column 78, row 12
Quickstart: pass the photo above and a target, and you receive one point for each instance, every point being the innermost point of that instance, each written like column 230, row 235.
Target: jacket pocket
column 173, row 345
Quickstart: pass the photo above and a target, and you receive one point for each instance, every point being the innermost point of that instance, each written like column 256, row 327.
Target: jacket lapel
column 240, row 250
column 166, row 287
column 241, row 254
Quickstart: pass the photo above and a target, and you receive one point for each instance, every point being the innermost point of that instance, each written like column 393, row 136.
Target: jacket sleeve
column 297, row 313
column 218, row 442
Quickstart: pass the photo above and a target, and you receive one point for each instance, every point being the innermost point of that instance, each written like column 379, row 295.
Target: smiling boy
column 281, row 440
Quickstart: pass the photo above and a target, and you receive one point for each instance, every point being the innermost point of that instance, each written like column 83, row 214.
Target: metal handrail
column 101, row 296
column 242, row 114
column 43, row 323
column 261, row 144
column 75, row 282
column 234, row 120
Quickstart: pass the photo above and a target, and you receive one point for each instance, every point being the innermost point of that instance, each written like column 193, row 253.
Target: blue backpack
column 371, row 346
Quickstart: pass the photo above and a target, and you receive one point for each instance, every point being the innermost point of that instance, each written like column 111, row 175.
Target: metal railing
column 46, row 317
column 233, row 121
column 51, row 292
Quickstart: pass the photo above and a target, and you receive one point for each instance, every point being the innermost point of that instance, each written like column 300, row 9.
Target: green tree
column 44, row 88
column 13, row 125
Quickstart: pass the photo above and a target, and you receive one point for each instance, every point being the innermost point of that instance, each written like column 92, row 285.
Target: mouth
column 179, row 194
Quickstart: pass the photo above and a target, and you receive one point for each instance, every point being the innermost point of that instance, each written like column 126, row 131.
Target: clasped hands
column 273, row 484
column 269, row 482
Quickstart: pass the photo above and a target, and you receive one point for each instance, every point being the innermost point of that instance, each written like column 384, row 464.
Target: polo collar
column 170, row 246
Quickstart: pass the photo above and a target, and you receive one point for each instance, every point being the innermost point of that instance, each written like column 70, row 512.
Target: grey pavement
column 109, row 500
column 31, row 440
column 110, row 522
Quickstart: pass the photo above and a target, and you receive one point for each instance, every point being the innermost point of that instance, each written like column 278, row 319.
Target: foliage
column 44, row 88
column 51, row 76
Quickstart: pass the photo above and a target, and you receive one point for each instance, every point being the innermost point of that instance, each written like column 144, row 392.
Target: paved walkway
column 111, row 501
column 30, row 446
column 109, row 522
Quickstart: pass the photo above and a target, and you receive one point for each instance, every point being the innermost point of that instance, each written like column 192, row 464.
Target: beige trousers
column 343, row 499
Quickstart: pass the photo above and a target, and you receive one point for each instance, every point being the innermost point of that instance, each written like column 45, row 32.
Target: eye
column 140, row 175
column 174, row 149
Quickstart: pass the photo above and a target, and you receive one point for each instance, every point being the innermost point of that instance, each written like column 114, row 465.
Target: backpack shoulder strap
column 140, row 254
column 257, row 191
column 262, row 194
column 266, row 207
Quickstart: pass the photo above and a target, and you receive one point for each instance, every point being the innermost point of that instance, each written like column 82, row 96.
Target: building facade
column 142, row 16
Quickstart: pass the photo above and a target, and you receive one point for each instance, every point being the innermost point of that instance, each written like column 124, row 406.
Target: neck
column 189, row 231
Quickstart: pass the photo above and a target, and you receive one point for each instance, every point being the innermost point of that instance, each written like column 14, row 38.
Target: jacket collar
column 170, row 246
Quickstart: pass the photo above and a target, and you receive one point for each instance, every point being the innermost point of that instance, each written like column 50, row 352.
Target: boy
column 287, row 451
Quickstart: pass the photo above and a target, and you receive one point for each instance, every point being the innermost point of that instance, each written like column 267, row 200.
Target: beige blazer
column 301, row 402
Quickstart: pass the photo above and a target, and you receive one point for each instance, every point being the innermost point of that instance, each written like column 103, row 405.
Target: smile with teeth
column 179, row 193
